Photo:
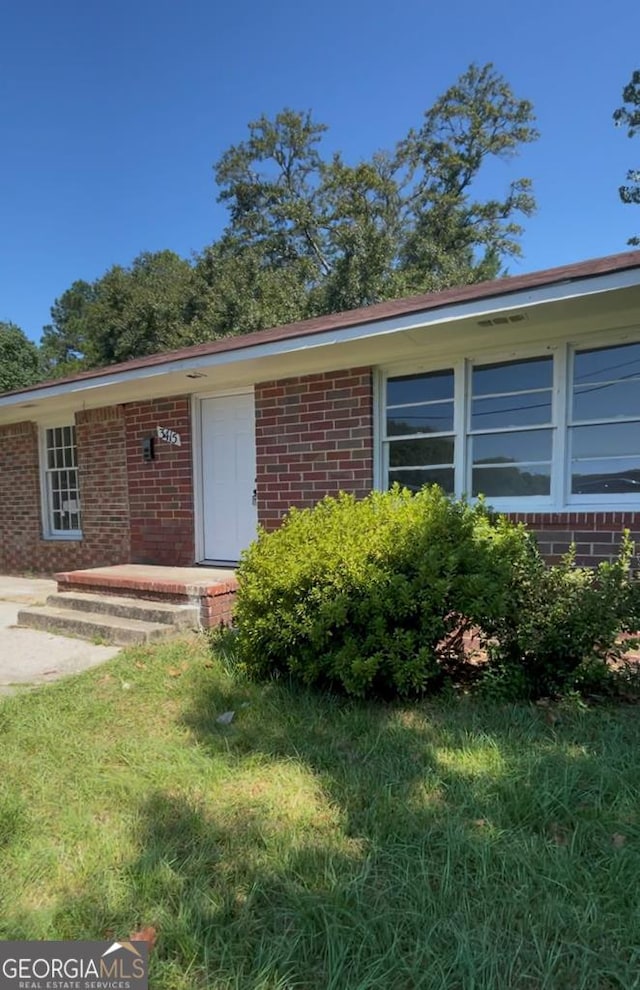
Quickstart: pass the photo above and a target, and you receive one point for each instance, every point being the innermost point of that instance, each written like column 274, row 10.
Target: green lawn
column 318, row 843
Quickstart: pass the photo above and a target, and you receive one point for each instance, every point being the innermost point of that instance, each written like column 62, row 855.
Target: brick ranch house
column 526, row 388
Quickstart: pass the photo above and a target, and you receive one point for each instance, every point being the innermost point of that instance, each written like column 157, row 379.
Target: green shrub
column 376, row 596
column 560, row 624
column 370, row 595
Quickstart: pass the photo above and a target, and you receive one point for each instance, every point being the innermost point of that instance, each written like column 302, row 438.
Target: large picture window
column 60, row 482
column 541, row 431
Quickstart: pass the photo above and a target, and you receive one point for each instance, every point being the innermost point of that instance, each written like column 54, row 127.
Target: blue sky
column 113, row 113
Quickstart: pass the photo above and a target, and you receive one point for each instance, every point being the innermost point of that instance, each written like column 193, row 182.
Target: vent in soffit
column 501, row 321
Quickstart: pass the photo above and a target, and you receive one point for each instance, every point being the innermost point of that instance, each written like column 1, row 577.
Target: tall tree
column 628, row 115
column 19, row 359
column 310, row 233
column 66, row 339
column 405, row 221
column 128, row 312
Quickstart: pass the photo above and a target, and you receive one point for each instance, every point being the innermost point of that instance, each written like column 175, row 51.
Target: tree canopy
column 407, row 220
column 310, row 233
column 19, row 359
column 128, row 312
column 628, row 115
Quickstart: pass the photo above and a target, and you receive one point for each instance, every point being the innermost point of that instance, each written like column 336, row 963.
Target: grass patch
column 317, row 843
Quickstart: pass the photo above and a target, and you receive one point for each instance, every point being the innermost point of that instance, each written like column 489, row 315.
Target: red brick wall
column 596, row 534
column 100, row 435
column 132, row 510
column 314, row 436
column 161, row 490
column 102, row 470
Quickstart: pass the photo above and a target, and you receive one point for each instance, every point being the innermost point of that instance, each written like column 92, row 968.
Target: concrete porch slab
column 213, row 589
column 139, row 577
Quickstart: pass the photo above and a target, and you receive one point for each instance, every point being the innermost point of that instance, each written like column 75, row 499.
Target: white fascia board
column 557, row 292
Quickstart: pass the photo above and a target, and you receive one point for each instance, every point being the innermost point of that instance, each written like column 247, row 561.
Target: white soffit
column 477, row 309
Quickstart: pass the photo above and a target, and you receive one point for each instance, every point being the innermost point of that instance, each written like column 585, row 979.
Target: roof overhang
column 585, row 304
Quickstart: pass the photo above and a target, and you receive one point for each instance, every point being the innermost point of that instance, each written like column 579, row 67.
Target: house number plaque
column 169, row 436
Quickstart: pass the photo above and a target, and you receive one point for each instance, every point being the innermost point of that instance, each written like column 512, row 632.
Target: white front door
column 229, row 513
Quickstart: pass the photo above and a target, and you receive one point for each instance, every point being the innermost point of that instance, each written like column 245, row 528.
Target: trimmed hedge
column 374, row 597
column 361, row 594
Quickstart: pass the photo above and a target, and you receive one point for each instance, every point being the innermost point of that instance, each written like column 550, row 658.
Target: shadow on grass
column 385, row 847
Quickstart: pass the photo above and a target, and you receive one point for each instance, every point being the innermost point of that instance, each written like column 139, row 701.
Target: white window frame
column 48, row 531
column 540, row 501
column 388, row 440
column 560, row 498
column 591, row 501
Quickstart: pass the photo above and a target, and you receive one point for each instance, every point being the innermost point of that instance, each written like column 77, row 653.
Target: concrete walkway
column 30, row 657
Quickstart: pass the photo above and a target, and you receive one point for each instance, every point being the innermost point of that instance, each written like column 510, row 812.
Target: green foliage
column 376, row 597
column 368, row 595
column 19, row 359
column 309, row 233
column 628, row 115
column 151, row 306
column 66, row 339
column 560, row 623
column 405, row 221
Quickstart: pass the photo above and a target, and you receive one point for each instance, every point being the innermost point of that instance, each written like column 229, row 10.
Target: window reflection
column 421, row 407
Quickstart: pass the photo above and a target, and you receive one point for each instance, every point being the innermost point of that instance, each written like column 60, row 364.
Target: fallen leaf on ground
column 174, row 672
column 140, row 665
column 146, row 934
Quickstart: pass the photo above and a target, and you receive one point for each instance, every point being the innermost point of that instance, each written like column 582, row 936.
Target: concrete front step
column 179, row 616
column 212, row 591
column 108, row 628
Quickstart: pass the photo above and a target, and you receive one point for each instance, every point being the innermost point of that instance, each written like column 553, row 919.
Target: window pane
column 62, row 479
column 606, row 477
column 421, row 452
column 607, row 401
column 437, row 418
column 511, row 410
column 607, row 440
column 606, row 364
column 496, row 448
column 415, row 479
column 429, row 387
column 498, row 482
column 513, row 376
